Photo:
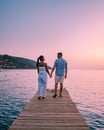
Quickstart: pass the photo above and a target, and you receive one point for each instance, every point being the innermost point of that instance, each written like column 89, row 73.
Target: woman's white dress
column 42, row 81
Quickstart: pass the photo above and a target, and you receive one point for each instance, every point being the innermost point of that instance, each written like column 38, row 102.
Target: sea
column 86, row 88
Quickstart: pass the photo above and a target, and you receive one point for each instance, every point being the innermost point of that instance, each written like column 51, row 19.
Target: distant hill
column 12, row 62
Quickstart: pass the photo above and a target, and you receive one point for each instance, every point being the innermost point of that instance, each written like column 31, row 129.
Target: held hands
column 50, row 75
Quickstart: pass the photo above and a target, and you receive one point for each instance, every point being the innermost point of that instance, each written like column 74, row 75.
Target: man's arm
column 66, row 70
column 54, row 66
column 52, row 71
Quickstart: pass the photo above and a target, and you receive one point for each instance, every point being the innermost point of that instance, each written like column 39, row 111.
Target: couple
column 60, row 67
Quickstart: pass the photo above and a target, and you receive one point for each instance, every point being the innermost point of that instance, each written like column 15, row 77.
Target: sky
column 30, row 28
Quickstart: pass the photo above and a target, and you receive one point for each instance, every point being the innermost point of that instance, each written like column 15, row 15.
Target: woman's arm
column 47, row 69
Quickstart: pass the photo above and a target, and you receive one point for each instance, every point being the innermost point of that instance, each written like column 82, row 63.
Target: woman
column 42, row 77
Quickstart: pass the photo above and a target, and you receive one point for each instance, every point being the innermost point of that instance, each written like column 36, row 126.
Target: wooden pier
column 58, row 113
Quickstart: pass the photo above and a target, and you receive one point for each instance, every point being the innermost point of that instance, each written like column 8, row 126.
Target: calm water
column 86, row 88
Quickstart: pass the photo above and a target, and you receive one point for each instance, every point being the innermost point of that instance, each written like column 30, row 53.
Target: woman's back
column 42, row 69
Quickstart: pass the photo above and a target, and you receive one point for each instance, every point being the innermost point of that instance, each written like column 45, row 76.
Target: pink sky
column 29, row 28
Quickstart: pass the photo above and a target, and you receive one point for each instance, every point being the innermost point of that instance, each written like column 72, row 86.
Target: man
column 60, row 67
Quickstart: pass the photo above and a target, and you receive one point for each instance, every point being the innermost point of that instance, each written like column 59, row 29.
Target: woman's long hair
column 37, row 63
column 40, row 58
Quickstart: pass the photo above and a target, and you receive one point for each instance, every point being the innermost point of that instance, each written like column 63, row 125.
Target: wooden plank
column 58, row 113
column 50, row 128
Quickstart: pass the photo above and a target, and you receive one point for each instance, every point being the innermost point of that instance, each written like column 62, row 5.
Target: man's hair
column 60, row 53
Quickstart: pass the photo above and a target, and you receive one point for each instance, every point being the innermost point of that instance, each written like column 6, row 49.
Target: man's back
column 60, row 65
